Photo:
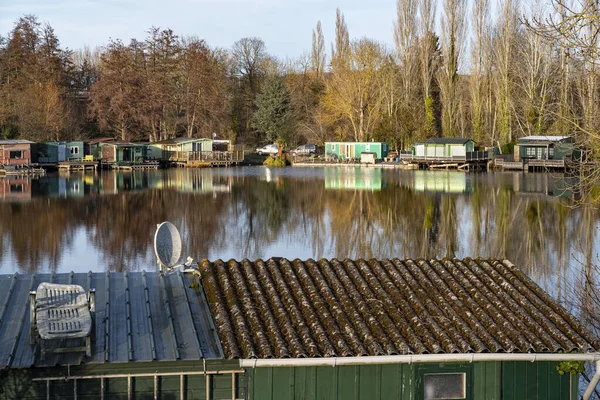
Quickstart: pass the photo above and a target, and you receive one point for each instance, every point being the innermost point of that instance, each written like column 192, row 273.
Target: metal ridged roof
column 447, row 141
column 15, row 141
column 280, row 308
column 544, row 138
column 140, row 316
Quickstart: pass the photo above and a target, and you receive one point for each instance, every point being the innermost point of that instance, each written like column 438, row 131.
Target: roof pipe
column 592, row 386
column 423, row 358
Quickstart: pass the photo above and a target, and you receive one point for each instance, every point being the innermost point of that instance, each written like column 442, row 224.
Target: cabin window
column 531, row 151
column 16, row 154
column 444, row 386
column 16, row 188
column 74, row 150
column 444, row 381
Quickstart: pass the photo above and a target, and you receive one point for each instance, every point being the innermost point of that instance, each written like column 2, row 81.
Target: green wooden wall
column 486, row 380
column 19, row 384
column 536, row 381
column 339, row 149
column 373, row 382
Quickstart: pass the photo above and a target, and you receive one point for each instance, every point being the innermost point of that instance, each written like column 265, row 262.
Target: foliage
column 527, row 75
column 571, row 367
column 508, row 148
column 429, row 117
column 273, row 115
column 275, row 162
column 354, row 95
column 34, row 82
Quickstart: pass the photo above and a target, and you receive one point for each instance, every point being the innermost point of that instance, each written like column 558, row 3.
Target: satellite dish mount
column 167, row 247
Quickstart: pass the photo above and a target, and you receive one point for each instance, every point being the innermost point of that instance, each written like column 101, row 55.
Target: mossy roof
column 279, row 309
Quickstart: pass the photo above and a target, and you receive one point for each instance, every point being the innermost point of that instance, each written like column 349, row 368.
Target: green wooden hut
column 93, row 147
column 353, row 150
column 53, row 152
column 180, row 148
column 152, row 337
column 279, row 329
column 393, row 329
column 124, row 152
column 444, row 147
column 546, row 148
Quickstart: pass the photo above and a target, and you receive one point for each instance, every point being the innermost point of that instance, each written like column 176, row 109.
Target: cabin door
column 62, row 152
column 540, row 153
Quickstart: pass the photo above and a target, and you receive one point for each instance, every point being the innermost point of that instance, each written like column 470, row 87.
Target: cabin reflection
column 442, row 182
column 551, row 185
column 15, row 188
column 197, row 181
column 359, row 178
column 80, row 185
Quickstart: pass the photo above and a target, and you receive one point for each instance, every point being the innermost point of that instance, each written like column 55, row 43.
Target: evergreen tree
column 273, row 115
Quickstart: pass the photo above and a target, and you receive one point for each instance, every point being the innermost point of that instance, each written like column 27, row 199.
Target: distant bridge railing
column 469, row 156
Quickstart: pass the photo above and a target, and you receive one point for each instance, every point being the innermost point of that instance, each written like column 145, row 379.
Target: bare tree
column 406, row 40
column 504, row 57
column 249, row 55
column 405, row 35
column 249, row 59
column 428, row 62
column 340, row 51
column 453, row 42
column 353, row 96
column 318, row 51
column 480, row 69
column 535, row 78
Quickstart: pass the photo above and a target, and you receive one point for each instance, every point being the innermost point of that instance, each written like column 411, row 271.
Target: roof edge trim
column 417, row 358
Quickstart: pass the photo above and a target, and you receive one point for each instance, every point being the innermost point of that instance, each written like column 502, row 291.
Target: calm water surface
column 106, row 221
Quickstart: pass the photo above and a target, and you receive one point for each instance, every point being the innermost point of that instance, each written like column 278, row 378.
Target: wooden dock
column 531, row 165
column 476, row 160
column 21, row 170
column 202, row 159
column 78, row 165
column 129, row 166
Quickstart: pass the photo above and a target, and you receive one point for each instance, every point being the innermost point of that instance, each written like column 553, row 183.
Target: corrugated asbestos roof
column 132, row 320
column 279, row 309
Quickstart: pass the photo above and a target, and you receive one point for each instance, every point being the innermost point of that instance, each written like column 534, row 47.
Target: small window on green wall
column 445, row 386
column 450, row 381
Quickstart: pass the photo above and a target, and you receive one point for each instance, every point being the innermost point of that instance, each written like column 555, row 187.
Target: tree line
column 454, row 72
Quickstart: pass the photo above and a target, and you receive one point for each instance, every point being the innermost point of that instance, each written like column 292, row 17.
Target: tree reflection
column 235, row 213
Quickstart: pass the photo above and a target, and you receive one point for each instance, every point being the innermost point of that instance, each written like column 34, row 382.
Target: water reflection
column 354, row 178
column 442, row 182
column 106, row 221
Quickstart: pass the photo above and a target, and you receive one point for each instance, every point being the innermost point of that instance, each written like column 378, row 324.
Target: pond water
column 106, row 221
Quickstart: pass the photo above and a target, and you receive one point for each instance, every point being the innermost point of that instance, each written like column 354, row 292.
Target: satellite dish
column 214, row 135
column 167, row 245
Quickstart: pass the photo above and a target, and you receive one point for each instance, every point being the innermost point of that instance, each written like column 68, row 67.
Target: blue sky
column 284, row 25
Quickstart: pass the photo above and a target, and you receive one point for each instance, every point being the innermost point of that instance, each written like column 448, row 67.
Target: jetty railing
column 208, row 156
column 468, row 157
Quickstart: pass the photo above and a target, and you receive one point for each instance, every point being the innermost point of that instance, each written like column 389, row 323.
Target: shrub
column 275, row 162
